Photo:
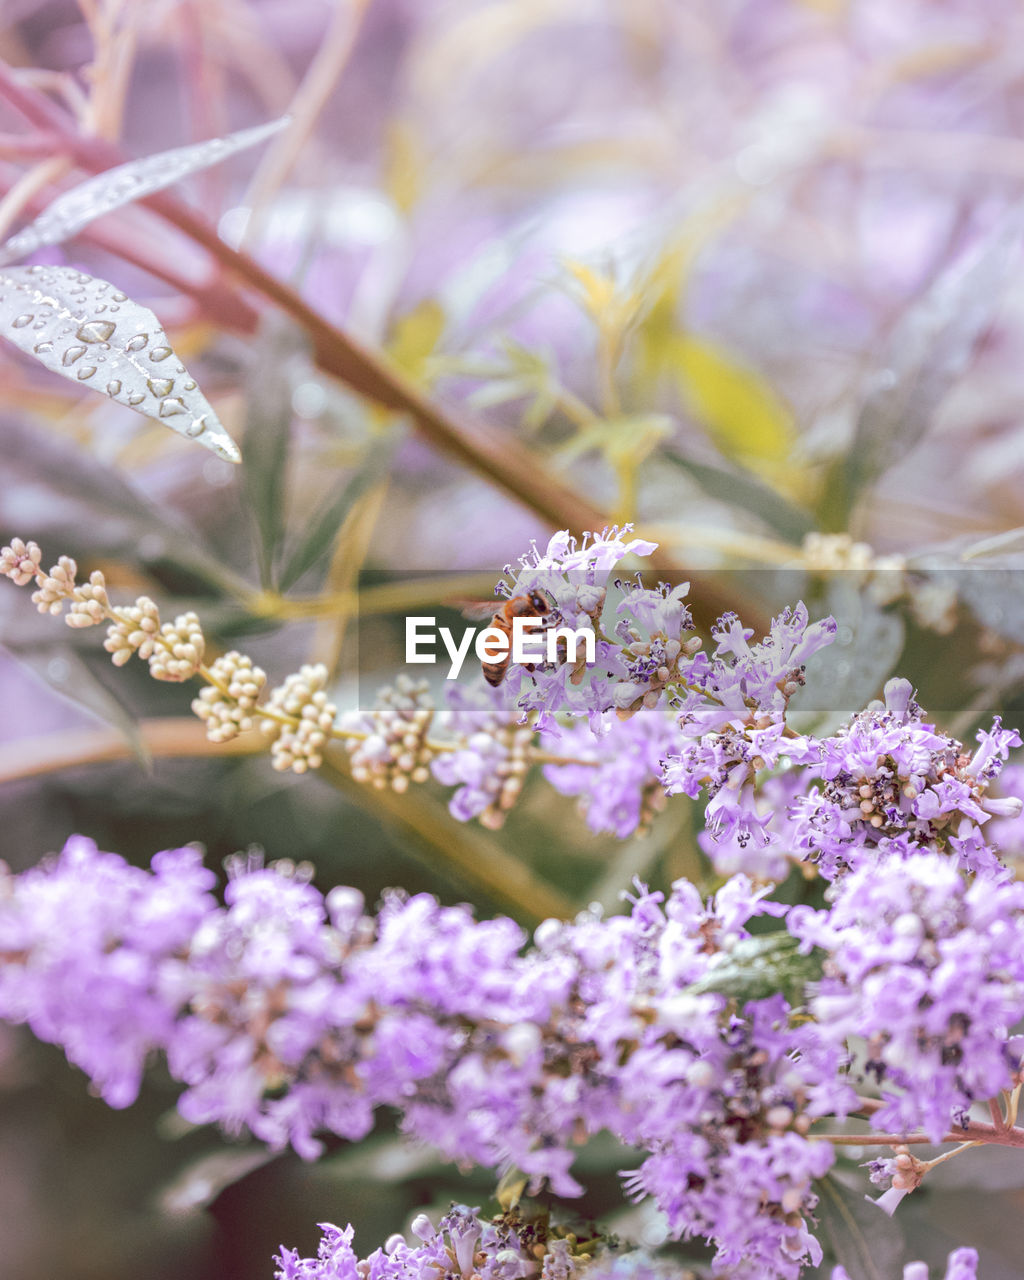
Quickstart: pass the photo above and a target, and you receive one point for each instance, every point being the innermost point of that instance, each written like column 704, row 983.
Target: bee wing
column 476, row 610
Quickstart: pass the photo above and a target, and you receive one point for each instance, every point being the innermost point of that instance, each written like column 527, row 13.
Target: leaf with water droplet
column 74, row 209
column 68, row 300
column 96, row 330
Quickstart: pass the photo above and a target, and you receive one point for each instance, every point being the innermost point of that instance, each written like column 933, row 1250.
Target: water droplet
column 95, row 331
column 71, row 355
column 115, row 308
column 168, row 408
column 43, row 348
column 196, row 427
column 119, row 297
column 160, row 353
column 181, row 368
column 39, row 324
column 136, row 343
column 190, row 385
column 136, row 397
column 160, row 386
column 21, row 321
column 85, row 371
column 114, row 388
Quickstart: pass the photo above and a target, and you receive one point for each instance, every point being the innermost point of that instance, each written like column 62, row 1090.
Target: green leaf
column 85, row 330
column 118, row 517
column 742, row 490
column 323, row 525
column 75, row 209
column 759, row 967
column 925, row 353
column 744, row 415
column 268, row 441
column 66, row 672
column 861, row 1237
column 843, row 677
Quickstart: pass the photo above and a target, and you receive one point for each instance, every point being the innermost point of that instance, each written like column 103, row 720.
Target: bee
column 535, row 604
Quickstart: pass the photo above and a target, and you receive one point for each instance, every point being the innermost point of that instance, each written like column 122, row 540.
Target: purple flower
column 621, row 790
column 929, row 972
column 891, row 782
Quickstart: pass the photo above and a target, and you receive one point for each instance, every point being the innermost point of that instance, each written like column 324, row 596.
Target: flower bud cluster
column 88, row 602
column 134, row 630
column 227, row 705
column 178, row 653
column 20, row 561
column 298, row 743
column 393, row 750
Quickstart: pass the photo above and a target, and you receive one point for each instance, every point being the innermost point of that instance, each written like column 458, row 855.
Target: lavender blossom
column 893, row 783
column 287, row 1014
column 621, row 789
column 929, row 971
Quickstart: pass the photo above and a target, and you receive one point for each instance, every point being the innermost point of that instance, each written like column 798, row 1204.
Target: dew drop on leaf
column 114, row 388
column 85, row 371
column 160, row 353
column 72, row 354
column 96, row 331
column 168, row 408
column 136, row 343
column 160, row 386
column 21, row 321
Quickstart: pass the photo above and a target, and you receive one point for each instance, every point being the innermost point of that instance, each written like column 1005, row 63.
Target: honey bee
column 535, row 604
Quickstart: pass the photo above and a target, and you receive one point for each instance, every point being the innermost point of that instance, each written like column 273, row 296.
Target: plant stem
column 469, row 855
column 490, row 453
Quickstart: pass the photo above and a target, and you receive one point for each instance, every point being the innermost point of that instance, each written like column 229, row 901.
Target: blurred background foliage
column 743, row 271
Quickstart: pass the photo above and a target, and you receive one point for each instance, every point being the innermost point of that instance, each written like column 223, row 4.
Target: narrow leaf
column 854, row 668
column 73, row 210
column 268, row 438
column 758, row 967
column 327, row 520
column 741, row 489
column 744, row 414
column 85, row 330
column 927, row 350
column 66, row 672
column 861, row 1237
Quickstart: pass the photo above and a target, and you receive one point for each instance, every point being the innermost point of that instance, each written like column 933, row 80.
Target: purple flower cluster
column 491, row 759
column 732, row 727
column 289, row 1014
column 465, row 1246
column 618, row 779
column 574, row 576
column 962, row 1264
column 893, row 783
column 928, row 971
